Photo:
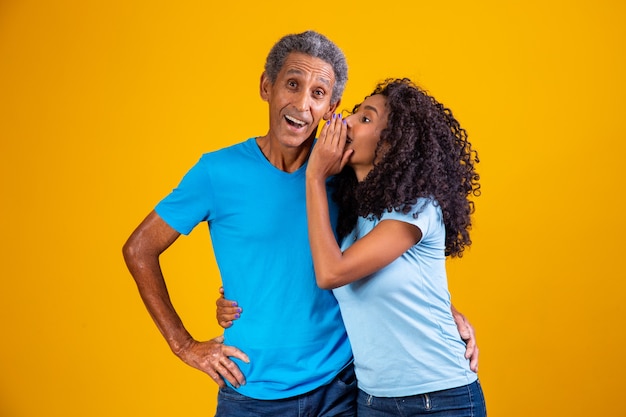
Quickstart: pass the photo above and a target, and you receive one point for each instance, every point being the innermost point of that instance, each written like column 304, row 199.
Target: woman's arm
column 386, row 242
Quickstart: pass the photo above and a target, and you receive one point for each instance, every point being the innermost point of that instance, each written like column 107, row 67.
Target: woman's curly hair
column 423, row 152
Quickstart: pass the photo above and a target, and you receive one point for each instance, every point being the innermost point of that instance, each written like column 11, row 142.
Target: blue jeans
column 335, row 399
column 465, row 401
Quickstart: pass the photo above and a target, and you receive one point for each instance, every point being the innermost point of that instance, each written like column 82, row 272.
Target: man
column 297, row 355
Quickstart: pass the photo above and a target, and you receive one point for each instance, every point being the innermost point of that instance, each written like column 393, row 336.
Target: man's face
column 299, row 99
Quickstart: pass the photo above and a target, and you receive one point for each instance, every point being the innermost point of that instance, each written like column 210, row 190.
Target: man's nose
column 301, row 101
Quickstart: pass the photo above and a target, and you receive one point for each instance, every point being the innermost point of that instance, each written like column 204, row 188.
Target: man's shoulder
column 235, row 157
column 241, row 147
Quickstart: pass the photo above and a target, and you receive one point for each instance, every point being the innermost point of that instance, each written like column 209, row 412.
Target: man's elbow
column 127, row 251
column 130, row 250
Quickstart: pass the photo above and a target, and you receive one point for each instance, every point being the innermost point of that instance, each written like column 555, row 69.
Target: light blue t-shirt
column 291, row 329
column 404, row 338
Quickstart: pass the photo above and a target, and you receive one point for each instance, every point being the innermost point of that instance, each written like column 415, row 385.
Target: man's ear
column 265, row 86
column 331, row 110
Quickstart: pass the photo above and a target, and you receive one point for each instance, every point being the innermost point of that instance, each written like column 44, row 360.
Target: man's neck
column 285, row 158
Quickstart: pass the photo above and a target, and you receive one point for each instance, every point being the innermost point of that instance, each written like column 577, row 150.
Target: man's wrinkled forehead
column 300, row 65
column 321, row 78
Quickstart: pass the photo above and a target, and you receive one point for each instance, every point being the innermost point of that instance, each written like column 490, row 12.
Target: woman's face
column 364, row 129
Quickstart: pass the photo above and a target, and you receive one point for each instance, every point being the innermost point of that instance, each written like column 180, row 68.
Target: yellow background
column 105, row 104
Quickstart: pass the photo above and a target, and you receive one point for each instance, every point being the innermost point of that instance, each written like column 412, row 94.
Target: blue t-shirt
column 403, row 335
column 291, row 329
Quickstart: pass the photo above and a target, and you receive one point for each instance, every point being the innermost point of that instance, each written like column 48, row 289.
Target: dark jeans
column 335, row 399
column 465, row 401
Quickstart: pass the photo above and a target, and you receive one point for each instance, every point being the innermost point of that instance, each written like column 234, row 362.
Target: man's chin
column 300, row 138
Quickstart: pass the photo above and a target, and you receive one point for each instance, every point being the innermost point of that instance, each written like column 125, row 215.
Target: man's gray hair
column 313, row 44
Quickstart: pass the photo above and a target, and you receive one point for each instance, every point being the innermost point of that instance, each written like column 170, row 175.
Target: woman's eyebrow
column 372, row 108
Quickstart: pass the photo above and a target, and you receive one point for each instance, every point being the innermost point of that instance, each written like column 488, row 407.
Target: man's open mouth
column 294, row 122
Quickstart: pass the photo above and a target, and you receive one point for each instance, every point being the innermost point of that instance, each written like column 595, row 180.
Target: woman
column 404, row 205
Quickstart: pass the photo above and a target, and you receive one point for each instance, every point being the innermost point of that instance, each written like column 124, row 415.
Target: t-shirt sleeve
column 189, row 203
column 428, row 218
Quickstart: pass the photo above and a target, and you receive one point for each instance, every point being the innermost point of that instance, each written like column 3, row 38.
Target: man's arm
column 466, row 330
column 141, row 253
